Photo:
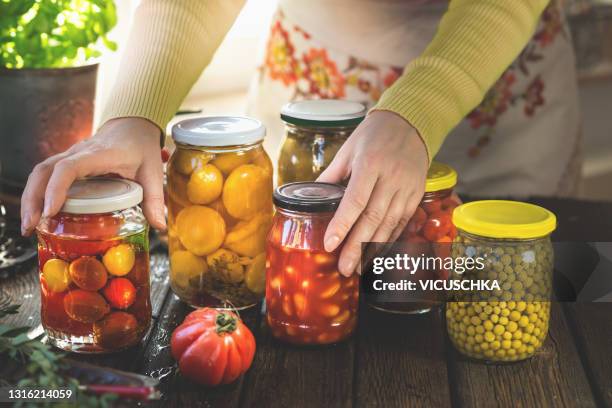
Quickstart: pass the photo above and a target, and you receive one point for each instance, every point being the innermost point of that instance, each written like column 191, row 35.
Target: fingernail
column 331, row 243
column 347, row 267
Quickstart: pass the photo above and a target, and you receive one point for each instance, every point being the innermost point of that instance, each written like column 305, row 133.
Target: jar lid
column 309, row 196
column 216, row 131
column 101, row 195
column 323, row 113
column 440, row 177
column 504, row 219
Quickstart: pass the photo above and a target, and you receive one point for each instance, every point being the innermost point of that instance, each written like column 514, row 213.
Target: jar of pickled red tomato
column 430, row 232
column 314, row 132
column 94, row 268
column 219, row 182
column 513, row 239
column 308, row 301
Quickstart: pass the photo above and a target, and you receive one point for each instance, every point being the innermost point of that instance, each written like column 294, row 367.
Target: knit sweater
column 172, row 41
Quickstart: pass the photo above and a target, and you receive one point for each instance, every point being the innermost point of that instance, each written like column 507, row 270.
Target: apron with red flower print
column 522, row 140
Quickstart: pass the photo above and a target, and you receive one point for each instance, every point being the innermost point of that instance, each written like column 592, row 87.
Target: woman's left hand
column 387, row 163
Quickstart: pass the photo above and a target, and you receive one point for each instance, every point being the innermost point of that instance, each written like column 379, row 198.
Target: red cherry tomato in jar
column 120, row 293
column 432, row 206
column 88, row 273
column 437, row 226
column 213, row 347
column 116, row 330
column 84, row 306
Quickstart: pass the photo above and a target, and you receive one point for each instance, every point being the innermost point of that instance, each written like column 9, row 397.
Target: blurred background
column 223, row 86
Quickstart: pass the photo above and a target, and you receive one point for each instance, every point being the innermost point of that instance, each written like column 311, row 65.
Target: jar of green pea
column 512, row 239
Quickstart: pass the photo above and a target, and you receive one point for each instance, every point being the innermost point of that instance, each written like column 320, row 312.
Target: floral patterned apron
column 524, row 138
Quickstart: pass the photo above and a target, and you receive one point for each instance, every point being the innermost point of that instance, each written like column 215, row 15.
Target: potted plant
column 47, row 79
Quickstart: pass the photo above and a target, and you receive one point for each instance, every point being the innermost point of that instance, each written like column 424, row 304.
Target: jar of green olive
column 314, row 132
column 511, row 240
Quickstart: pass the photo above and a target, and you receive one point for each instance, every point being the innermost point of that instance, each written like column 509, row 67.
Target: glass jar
column 94, row 268
column 430, row 232
column 219, row 211
column 513, row 239
column 308, row 301
column 314, row 132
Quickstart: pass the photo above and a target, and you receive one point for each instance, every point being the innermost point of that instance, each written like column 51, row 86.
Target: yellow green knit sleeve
column 170, row 44
column 475, row 42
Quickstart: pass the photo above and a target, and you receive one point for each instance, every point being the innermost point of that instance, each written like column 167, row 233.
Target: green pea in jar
column 513, row 241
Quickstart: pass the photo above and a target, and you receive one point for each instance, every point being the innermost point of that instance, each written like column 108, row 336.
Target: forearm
column 170, row 44
column 475, row 42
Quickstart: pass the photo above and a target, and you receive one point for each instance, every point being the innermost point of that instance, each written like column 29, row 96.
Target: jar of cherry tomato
column 94, row 268
column 513, row 239
column 219, row 211
column 430, row 232
column 308, row 301
column 314, row 132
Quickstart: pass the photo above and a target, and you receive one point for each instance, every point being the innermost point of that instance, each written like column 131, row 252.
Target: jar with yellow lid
column 314, row 132
column 430, row 231
column 513, row 238
column 219, row 211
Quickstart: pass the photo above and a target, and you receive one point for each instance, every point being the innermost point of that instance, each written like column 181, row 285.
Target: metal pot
column 42, row 112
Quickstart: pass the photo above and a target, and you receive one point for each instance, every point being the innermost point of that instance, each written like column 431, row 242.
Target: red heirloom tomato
column 213, row 347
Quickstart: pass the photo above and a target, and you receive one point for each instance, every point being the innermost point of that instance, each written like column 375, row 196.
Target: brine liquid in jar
column 307, row 300
column 94, row 268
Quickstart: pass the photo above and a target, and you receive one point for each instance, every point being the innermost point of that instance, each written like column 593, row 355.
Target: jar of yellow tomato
column 314, row 132
column 512, row 242
column 219, row 211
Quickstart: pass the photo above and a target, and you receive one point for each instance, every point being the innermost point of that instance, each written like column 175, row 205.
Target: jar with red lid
column 307, row 300
column 94, row 268
column 430, row 232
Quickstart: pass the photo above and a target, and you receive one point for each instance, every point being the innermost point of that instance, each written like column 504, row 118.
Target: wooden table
column 392, row 360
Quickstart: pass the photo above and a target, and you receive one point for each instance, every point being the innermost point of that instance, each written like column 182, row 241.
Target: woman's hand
column 387, row 163
column 128, row 147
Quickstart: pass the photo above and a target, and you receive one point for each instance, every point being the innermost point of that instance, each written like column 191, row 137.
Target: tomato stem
column 226, row 323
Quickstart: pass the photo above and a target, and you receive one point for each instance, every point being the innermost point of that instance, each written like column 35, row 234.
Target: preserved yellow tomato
column 261, row 159
column 184, row 266
column 248, row 238
column 205, row 185
column 119, row 260
column 56, row 275
column 247, row 191
column 218, row 206
column 186, row 161
column 200, row 229
column 226, row 162
column 255, row 277
column 226, row 265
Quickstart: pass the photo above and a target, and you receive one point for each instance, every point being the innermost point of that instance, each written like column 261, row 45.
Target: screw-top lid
column 440, row 177
column 216, row 131
column 323, row 113
column 309, row 196
column 102, row 195
column 504, row 219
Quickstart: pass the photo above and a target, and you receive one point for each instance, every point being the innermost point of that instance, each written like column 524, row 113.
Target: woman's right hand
column 128, row 147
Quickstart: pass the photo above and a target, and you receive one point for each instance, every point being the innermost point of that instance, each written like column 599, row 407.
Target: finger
column 367, row 224
column 70, row 168
column 353, row 203
column 33, row 195
column 338, row 169
column 411, row 206
column 151, row 177
column 394, row 219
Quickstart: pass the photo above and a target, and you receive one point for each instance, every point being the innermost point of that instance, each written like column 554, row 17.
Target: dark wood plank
column 288, row 376
column 401, row 360
column 157, row 362
column 553, row 377
column 592, row 325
